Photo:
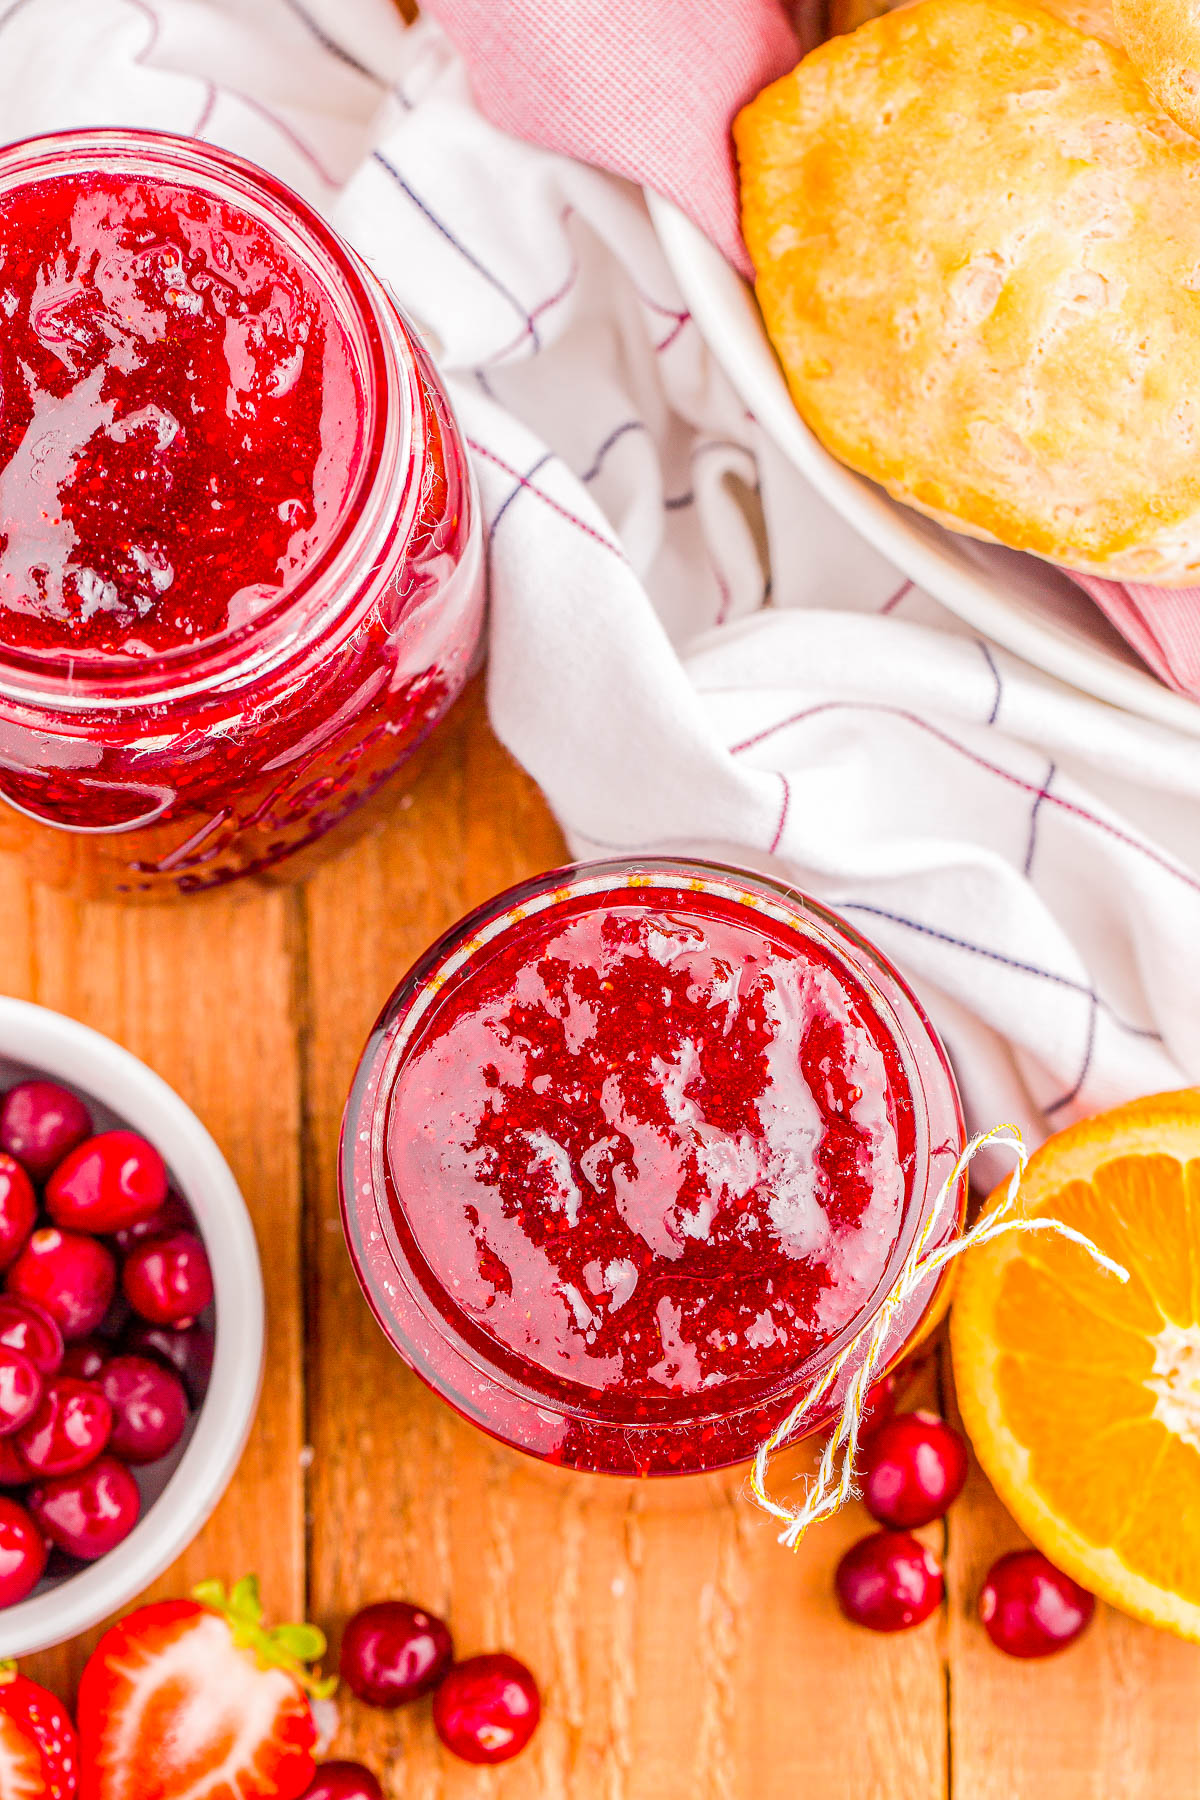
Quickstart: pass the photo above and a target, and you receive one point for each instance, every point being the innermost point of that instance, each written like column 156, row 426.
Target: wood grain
column 683, row 1655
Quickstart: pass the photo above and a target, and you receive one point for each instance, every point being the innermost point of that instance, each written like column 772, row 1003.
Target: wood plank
column 1117, row 1715
column 683, row 1653
column 203, row 991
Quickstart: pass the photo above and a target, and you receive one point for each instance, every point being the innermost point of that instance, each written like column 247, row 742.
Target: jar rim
column 389, row 420
column 412, row 1005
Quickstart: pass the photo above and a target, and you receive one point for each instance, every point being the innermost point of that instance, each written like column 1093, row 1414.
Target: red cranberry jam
column 239, row 563
column 633, row 1152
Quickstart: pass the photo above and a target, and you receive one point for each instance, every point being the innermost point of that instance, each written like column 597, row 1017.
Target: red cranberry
column 69, row 1429
column 107, row 1183
column 914, row 1466
column 28, row 1327
column 1030, row 1608
column 40, row 1123
column 173, row 1215
column 888, row 1581
column 89, row 1513
column 23, row 1553
column 86, row 1358
column 14, row 1470
column 70, row 1275
column 168, row 1280
column 18, row 1210
column 393, row 1652
column 189, row 1351
column 149, row 1408
column 343, row 1781
column 487, row 1708
column 20, row 1389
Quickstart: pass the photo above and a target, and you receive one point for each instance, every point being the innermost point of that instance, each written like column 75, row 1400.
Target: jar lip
column 388, row 415
column 417, row 995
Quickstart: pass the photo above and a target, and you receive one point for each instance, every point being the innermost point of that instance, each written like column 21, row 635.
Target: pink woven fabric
column 1162, row 624
column 647, row 88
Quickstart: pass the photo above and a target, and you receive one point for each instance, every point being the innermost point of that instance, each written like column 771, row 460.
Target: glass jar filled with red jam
column 634, row 1151
column 240, row 569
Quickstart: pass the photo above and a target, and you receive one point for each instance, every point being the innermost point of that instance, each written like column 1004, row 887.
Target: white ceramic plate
column 179, row 1492
column 1019, row 601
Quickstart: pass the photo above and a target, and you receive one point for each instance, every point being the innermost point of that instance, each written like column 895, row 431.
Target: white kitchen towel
column 688, row 650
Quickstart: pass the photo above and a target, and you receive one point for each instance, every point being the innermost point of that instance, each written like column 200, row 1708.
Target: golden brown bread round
column 1095, row 17
column 978, row 251
column 1162, row 38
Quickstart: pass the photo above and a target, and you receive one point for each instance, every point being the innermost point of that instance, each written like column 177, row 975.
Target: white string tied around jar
column 828, row 1491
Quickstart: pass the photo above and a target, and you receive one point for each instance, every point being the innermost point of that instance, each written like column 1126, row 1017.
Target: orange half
column 1081, row 1395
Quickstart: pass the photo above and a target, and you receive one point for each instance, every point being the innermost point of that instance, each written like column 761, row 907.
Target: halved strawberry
column 198, row 1700
column 39, row 1752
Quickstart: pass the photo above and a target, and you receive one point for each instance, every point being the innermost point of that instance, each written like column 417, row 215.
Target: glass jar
column 312, row 524
column 634, row 1150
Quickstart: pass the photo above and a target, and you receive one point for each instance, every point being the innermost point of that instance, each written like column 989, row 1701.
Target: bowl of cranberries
column 131, row 1326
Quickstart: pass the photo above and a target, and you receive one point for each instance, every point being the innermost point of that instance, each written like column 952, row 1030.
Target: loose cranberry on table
column 18, row 1209
column 168, row 1280
column 393, row 1652
column 107, row 1184
column 22, row 1557
column 149, row 1408
column 40, row 1123
column 186, row 1349
column 1030, row 1608
column 20, row 1389
column 89, row 1513
column 343, row 1781
column 913, row 1467
column 889, row 1581
column 487, row 1708
column 69, row 1429
column 73, row 1277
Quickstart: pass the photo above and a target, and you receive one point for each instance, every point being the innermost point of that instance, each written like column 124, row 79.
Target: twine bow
column 833, row 1483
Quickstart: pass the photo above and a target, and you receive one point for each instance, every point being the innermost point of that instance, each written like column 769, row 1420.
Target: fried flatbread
column 977, row 242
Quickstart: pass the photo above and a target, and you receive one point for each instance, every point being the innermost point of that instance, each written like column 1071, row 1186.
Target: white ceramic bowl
column 1023, row 603
column 181, row 1491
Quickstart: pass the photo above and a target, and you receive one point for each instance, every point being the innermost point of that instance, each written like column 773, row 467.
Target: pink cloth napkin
column 648, row 89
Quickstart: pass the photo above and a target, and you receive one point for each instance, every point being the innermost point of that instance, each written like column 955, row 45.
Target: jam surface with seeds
column 653, row 1149
column 177, row 416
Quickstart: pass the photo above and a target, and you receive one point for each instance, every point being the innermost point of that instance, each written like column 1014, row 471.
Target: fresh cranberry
column 393, row 1652
column 40, row 1123
column 23, row 1553
column 1030, row 1608
column 69, row 1429
column 18, row 1210
column 86, row 1358
column 487, row 1708
column 913, row 1468
column 70, row 1275
column 14, row 1470
column 26, row 1326
column 149, row 1408
column 168, row 1280
column 343, row 1781
column 89, row 1513
column 187, row 1350
column 173, row 1215
column 888, row 1581
column 20, row 1389
column 107, row 1183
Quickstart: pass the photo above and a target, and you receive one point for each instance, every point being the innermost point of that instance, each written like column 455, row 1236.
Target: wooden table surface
column 683, row 1655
